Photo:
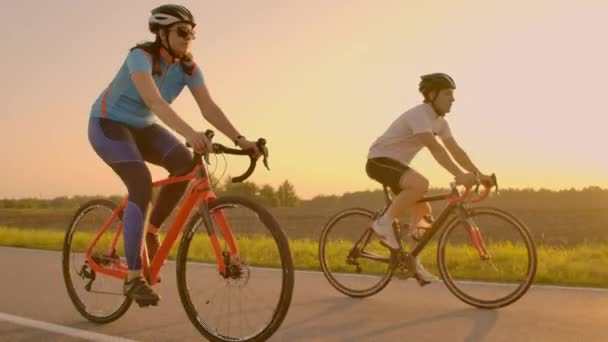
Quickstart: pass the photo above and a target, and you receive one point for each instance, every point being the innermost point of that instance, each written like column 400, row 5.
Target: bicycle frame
column 199, row 195
column 456, row 204
column 439, row 222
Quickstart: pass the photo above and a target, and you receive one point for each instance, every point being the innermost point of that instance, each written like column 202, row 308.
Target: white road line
column 60, row 329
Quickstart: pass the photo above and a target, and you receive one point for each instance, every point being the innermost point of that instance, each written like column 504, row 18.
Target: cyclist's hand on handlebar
column 468, row 180
column 245, row 144
column 199, row 142
column 486, row 180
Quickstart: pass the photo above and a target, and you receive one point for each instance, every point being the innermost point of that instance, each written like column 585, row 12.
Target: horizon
column 501, row 189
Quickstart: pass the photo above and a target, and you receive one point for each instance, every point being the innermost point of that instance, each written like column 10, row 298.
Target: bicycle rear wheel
column 351, row 256
column 98, row 297
column 250, row 301
column 491, row 265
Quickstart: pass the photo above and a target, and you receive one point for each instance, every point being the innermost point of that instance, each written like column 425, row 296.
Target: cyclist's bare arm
column 212, row 112
column 439, row 153
column 462, row 158
column 460, row 155
column 151, row 96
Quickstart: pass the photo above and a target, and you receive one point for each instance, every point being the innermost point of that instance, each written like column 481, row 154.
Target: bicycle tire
column 365, row 217
column 456, row 285
column 287, row 270
column 79, row 303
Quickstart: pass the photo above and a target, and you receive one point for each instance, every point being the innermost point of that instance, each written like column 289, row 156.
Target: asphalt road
column 34, row 306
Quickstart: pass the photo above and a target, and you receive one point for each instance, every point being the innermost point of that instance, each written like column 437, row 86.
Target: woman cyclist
column 123, row 132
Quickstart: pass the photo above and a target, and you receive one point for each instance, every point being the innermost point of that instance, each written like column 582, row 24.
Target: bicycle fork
column 227, row 258
column 474, row 235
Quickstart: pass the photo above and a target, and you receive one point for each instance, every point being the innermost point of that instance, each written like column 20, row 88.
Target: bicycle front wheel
column 489, row 262
column 98, row 297
column 250, row 300
column 351, row 256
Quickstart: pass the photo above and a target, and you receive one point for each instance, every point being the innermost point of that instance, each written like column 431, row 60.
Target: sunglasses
column 184, row 33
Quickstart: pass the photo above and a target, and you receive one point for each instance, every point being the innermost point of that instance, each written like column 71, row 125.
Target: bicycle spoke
column 108, row 293
column 490, row 247
column 246, row 315
column 104, row 301
column 212, row 299
column 228, row 309
column 351, row 256
column 245, row 302
column 253, row 297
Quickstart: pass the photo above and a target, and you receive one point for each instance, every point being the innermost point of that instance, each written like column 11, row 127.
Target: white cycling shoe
column 386, row 233
column 423, row 276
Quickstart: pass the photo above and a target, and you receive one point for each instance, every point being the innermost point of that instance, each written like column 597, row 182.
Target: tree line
column 285, row 196
column 589, row 198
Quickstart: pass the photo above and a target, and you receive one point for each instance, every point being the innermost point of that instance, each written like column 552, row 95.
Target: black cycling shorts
column 387, row 171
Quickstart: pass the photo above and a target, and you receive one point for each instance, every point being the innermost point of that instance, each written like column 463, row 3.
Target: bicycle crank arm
column 108, row 293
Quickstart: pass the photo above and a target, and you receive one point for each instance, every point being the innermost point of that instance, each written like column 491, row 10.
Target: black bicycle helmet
column 436, row 81
column 166, row 15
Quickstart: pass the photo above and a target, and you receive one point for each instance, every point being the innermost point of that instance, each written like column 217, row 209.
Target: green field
column 580, row 265
column 553, row 226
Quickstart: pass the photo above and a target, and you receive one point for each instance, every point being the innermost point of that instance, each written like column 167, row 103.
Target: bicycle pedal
column 404, row 275
column 421, row 282
column 146, row 304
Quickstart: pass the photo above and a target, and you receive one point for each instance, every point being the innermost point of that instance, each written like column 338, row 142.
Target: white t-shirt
column 399, row 141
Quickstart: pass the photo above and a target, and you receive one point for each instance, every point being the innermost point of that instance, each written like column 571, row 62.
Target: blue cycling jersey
column 120, row 101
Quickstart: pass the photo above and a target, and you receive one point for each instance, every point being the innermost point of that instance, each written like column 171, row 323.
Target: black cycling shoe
column 139, row 290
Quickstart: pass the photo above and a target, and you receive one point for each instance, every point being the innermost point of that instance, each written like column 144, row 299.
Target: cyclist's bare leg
column 414, row 186
column 419, row 210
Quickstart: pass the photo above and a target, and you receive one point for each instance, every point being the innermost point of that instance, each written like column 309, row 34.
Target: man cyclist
column 391, row 153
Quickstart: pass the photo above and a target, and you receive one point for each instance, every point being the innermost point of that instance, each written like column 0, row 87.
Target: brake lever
column 210, row 134
column 495, row 181
column 261, row 144
column 265, row 161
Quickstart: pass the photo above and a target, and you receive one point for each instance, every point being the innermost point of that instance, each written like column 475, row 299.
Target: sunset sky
column 320, row 79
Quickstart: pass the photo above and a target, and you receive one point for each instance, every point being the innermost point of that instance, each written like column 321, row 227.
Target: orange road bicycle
column 224, row 289
column 485, row 256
